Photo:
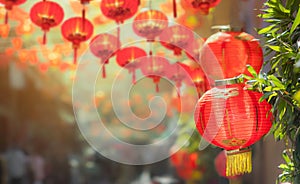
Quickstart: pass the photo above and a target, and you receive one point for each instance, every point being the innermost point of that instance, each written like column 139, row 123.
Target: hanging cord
column 174, row 9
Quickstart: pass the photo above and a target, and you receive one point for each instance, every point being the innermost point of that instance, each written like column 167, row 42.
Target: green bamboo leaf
column 265, row 96
column 296, row 21
column 286, row 157
column 251, row 70
column 274, row 47
column 283, row 9
column 266, row 29
column 276, row 81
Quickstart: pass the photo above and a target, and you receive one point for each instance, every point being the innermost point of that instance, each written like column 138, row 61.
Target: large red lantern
column 176, row 37
column 227, row 54
column 119, row 10
column 46, row 14
column 9, row 5
column 155, row 67
column 232, row 118
column 104, row 46
column 129, row 59
column 200, row 5
column 76, row 31
column 150, row 23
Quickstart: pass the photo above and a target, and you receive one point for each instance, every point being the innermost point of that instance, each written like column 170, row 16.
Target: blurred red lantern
column 232, row 118
column 46, row 14
column 193, row 50
column 201, row 5
column 150, row 23
column 129, row 59
column 196, row 78
column 176, row 37
column 178, row 73
column 185, row 163
column 104, row 47
column 8, row 4
column 119, row 10
column 77, row 31
column 231, row 52
column 155, row 67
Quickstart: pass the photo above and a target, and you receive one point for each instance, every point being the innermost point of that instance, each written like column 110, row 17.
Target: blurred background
column 39, row 136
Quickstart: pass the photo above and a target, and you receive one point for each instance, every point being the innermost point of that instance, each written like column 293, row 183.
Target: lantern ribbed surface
column 119, row 10
column 232, row 118
column 46, row 14
column 150, row 23
column 231, row 52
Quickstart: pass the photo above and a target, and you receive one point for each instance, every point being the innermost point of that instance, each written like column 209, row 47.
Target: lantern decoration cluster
column 228, row 115
column 231, row 52
column 46, row 14
column 8, row 4
column 202, row 6
column 104, row 46
column 150, row 24
column 232, row 118
column 129, row 58
column 76, row 31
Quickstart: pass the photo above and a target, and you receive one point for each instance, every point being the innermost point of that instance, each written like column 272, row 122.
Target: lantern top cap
column 235, row 80
column 225, row 28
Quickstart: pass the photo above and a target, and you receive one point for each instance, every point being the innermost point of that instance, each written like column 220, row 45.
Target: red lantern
column 178, row 73
column 155, row 67
column 193, row 50
column 46, row 14
column 176, row 37
column 119, row 10
column 231, row 52
column 185, row 163
column 76, row 32
column 104, row 46
column 150, row 23
column 232, row 118
column 129, row 59
column 9, row 5
column 197, row 77
column 202, row 5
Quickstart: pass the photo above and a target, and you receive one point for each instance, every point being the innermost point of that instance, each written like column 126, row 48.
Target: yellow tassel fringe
column 238, row 162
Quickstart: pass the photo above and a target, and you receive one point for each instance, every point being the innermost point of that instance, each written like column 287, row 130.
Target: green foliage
column 281, row 85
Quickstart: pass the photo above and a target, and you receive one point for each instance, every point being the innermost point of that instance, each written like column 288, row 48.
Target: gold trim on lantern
column 238, row 162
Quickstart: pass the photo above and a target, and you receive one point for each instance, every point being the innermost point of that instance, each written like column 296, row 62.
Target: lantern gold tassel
column 238, row 162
